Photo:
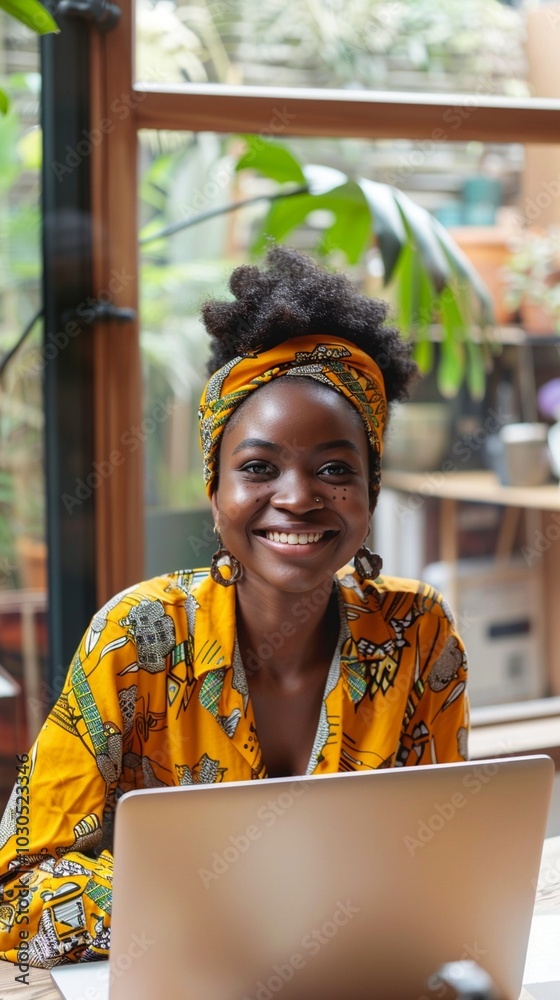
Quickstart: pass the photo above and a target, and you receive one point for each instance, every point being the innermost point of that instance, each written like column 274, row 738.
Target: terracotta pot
column 536, row 320
column 488, row 249
column 32, row 558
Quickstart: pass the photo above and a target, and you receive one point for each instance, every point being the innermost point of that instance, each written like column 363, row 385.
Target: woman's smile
column 293, row 537
column 294, row 542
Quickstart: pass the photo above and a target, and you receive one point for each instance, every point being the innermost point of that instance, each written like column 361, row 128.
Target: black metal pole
column 67, row 356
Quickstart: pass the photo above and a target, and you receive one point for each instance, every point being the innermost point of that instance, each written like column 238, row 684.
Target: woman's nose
column 297, row 492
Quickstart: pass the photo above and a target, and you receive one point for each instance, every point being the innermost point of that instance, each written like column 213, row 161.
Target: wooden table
column 41, row 988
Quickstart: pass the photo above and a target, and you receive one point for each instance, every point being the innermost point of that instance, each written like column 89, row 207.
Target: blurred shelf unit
column 509, row 601
column 512, row 335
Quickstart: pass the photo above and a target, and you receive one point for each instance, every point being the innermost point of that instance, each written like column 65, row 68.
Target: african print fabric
column 157, row 696
column 336, row 363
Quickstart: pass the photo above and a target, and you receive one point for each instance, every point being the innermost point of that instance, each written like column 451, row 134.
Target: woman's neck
column 286, row 635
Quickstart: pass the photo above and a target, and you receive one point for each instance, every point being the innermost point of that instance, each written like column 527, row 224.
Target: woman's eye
column 335, row 469
column 257, row 468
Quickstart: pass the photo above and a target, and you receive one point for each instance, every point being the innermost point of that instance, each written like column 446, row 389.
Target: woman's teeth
column 294, row 538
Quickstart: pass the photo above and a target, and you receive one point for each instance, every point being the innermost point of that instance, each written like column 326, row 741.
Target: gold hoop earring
column 223, row 559
column 368, row 564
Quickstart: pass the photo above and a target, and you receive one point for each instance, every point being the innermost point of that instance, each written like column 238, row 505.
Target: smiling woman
column 292, row 507
column 282, row 658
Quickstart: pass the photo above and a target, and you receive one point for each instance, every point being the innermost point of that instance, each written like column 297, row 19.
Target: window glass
column 23, row 585
column 484, row 47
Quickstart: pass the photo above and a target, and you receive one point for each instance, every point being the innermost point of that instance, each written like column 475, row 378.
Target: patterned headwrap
column 333, row 361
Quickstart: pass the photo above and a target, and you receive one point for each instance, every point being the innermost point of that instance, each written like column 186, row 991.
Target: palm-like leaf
column 34, row 16
column 435, row 281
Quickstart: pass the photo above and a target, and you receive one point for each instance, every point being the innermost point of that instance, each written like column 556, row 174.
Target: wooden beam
column 119, row 496
column 279, row 111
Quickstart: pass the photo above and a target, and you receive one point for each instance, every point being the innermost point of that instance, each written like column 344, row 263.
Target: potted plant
column 532, row 275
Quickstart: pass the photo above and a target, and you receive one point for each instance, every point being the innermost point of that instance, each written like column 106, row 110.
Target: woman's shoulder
column 168, row 590
column 425, row 598
column 157, row 615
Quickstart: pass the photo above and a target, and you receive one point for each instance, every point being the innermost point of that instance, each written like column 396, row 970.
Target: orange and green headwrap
column 335, row 362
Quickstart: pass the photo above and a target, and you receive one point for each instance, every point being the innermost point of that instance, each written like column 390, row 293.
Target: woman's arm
column 55, row 876
column 436, row 725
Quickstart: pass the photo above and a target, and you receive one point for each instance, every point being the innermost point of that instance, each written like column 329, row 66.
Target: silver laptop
column 346, row 886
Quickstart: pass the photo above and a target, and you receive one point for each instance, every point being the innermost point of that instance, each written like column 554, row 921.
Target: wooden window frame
column 347, row 114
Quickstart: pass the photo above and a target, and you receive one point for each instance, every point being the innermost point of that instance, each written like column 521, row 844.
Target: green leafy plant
column 436, row 291
column 434, row 282
column 34, row 16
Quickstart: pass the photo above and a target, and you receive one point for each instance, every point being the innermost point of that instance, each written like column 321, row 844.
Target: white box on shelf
column 499, row 616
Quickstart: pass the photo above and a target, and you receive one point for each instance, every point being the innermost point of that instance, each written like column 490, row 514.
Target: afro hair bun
column 292, row 296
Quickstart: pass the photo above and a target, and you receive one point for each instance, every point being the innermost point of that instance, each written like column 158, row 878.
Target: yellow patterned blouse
column 156, row 695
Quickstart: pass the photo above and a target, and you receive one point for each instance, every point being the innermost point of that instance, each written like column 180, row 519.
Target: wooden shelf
column 517, row 738
column 521, row 728
column 473, row 487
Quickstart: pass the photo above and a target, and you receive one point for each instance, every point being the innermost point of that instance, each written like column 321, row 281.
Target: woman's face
column 292, row 500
